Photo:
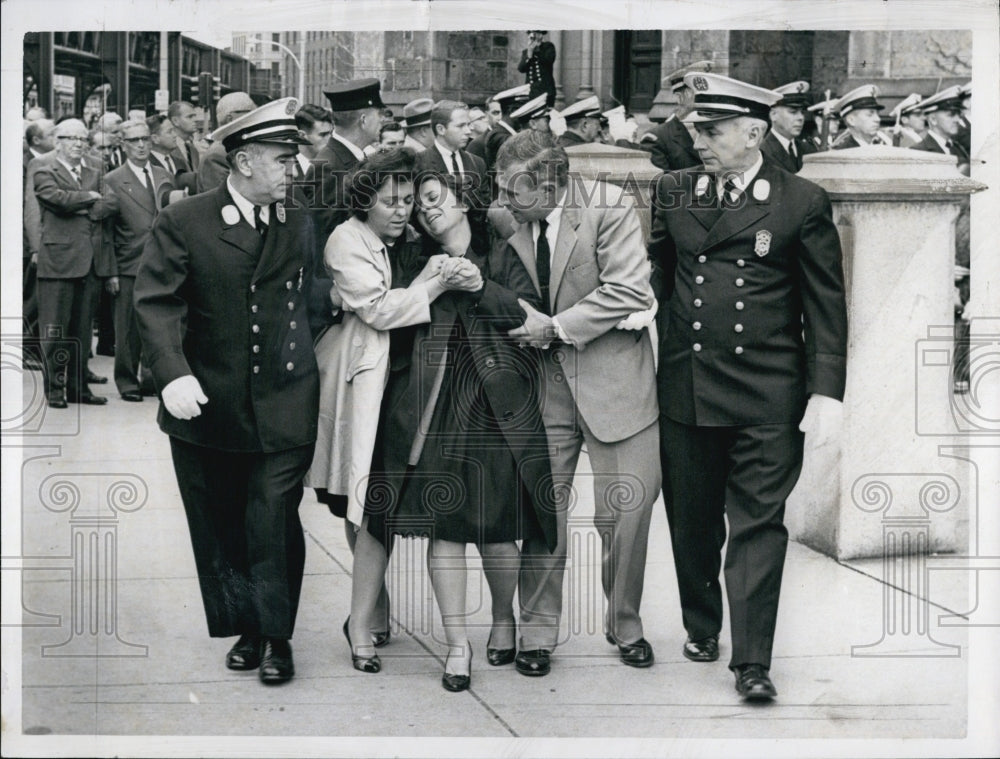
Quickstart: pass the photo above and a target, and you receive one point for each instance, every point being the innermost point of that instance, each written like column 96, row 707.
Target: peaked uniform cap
column 676, row 78
column 794, row 94
column 355, row 95
column 718, row 97
column 861, row 97
column 588, row 107
column 417, row 112
column 950, row 99
column 823, row 105
column 907, row 105
column 272, row 123
column 514, row 93
column 533, row 109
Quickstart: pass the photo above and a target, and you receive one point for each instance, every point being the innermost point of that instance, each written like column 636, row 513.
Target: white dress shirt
column 246, row 207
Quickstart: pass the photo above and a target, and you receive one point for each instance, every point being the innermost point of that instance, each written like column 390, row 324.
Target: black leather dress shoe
column 88, row 399
column 638, row 654
column 276, row 664
column 245, row 653
column 533, row 663
column 95, row 379
column 132, row 396
column 706, row 649
column 753, row 683
column 56, row 401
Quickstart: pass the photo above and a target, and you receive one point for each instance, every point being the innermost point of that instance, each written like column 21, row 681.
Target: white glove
column 823, row 420
column 639, row 319
column 182, row 397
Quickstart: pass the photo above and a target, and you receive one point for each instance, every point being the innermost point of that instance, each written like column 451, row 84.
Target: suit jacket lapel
column 704, row 207
column 237, row 233
column 138, row 193
column 751, row 210
column 524, row 246
column 565, row 242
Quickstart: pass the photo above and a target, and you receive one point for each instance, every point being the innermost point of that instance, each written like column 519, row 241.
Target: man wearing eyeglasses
column 141, row 190
column 70, row 257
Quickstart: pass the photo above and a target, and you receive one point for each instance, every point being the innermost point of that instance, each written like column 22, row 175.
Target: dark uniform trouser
column 743, row 474
column 64, row 324
column 127, row 343
column 626, row 483
column 243, row 514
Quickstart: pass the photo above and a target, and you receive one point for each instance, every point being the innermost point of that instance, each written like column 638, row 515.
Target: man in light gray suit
column 582, row 245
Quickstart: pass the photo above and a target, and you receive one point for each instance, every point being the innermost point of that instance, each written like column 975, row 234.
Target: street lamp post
column 295, row 59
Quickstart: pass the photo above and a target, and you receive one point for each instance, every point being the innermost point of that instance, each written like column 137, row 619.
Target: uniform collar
column 246, row 207
column 355, row 150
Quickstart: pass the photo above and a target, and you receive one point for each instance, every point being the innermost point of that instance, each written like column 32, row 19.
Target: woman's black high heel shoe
column 497, row 657
column 370, row 664
column 457, row 683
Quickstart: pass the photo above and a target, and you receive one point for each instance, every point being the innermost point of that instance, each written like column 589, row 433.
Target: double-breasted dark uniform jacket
column 212, row 303
column 508, row 375
column 537, row 70
column 673, row 148
column 774, row 151
column 754, row 295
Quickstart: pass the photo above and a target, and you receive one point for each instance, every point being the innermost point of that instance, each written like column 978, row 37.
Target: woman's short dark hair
column 477, row 220
column 373, row 172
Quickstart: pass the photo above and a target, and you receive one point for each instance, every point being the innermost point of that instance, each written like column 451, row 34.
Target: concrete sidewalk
column 143, row 665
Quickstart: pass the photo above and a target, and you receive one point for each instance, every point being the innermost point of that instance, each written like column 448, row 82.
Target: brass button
column 291, row 346
column 256, row 370
column 253, row 288
column 696, row 347
column 739, row 282
column 256, row 349
column 697, row 302
column 699, row 280
column 255, row 329
column 289, row 366
column 696, row 326
column 288, row 285
column 738, row 328
column 739, row 305
column 292, row 325
column 741, row 263
column 291, row 305
column 253, row 308
column 490, row 363
column 739, row 350
column 702, row 259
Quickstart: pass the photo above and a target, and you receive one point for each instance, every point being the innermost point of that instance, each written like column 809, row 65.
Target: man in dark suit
column 222, row 314
column 753, row 356
column 185, row 155
column 670, row 144
column 450, row 122
column 163, row 141
column 783, row 144
column 141, row 189
column 493, row 114
column 582, row 247
column 71, row 253
column 212, row 166
column 537, row 61
column 39, row 137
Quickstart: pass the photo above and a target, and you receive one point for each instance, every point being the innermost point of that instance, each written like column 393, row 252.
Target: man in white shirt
column 783, row 144
column 450, row 123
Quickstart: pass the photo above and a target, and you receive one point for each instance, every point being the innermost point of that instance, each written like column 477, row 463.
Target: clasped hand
column 460, row 274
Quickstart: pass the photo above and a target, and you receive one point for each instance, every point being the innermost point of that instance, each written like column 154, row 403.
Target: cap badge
column 702, row 187
column 700, row 83
column 290, row 107
column 279, row 211
column 761, row 191
column 762, row 245
column 230, row 214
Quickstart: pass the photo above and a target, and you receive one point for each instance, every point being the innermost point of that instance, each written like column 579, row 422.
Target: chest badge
column 279, row 211
column 761, row 190
column 230, row 214
column 762, row 244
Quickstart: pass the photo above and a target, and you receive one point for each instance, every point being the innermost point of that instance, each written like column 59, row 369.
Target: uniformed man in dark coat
column 536, row 64
column 784, row 144
column 508, row 100
column 583, row 122
column 753, row 356
column 670, row 143
column 858, row 110
column 220, row 299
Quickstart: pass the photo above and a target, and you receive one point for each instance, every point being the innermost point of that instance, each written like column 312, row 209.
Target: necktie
column 190, row 154
column 75, row 171
column 729, row 194
column 258, row 222
column 542, row 264
column 791, row 149
column 170, row 166
column 149, row 187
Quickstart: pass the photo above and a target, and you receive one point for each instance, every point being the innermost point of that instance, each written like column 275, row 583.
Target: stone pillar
column 896, row 211
column 557, row 40
column 627, row 168
column 586, row 65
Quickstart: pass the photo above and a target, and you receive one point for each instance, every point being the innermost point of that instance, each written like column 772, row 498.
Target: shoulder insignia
column 761, row 190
